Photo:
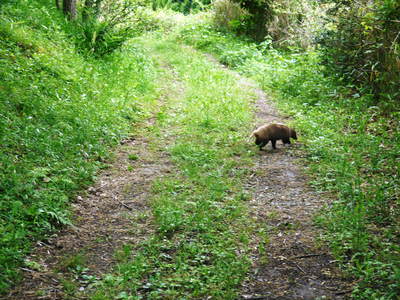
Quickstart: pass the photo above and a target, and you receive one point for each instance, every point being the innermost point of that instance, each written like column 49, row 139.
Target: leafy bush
column 229, row 15
column 60, row 114
column 286, row 23
column 105, row 25
column 295, row 23
column 363, row 45
column 260, row 14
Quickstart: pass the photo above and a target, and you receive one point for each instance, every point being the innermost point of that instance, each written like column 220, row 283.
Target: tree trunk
column 58, row 4
column 69, row 8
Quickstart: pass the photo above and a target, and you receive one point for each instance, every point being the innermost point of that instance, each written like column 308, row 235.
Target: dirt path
column 293, row 265
column 70, row 260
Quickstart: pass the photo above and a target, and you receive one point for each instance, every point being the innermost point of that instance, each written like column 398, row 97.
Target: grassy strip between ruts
column 200, row 246
column 353, row 146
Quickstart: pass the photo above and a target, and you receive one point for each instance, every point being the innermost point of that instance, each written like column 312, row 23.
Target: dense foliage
column 183, row 6
column 60, row 112
column 260, row 13
column 359, row 40
column 363, row 45
column 286, row 23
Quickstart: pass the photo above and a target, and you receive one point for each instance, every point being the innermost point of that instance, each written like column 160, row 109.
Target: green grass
column 352, row 146
column 202, row 226
column 60, row 113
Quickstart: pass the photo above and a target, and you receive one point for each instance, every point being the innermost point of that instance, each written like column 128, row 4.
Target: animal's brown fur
column 273, row 132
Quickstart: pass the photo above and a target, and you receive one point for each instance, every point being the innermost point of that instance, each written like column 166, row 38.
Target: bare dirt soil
column 294, row 265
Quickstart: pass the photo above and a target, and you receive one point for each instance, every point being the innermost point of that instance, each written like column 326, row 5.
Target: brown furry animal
column 273, row 132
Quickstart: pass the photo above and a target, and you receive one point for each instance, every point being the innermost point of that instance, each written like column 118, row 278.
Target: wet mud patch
column 291, row 264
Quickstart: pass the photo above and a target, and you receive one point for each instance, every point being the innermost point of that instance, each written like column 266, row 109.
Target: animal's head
column 293, row 134
column 257, row 136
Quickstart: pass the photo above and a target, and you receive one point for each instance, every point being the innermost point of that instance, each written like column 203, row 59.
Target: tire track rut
column 293, row 264
column 113, row 212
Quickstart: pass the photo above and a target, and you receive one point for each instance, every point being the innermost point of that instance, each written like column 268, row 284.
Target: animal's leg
column 263, row 143
column 273, row 144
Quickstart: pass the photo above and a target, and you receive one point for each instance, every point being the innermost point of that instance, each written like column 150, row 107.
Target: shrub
column 229, row 15
column 363, row 45
column 286, row 23
column 104, row 25
column 295, row 23
column 260, row 14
